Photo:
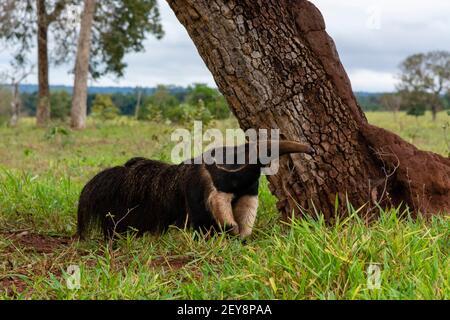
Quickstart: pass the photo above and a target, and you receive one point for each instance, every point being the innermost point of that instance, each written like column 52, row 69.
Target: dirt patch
column 171, row 262
column 12, row 285
column 24, row 255
column 23, row 242
column 35, row 242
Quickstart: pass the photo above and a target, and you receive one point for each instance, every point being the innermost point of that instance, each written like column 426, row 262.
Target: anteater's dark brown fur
column 149, row 196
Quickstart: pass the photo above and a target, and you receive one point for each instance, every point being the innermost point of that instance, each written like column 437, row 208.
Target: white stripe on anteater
column 219, row 203
column 244, row 211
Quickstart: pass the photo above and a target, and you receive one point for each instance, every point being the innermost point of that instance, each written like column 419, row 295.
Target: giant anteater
column 149, row 196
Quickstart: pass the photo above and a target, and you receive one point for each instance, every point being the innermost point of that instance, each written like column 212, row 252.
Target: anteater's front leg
column 219, row 203
column 244, row 211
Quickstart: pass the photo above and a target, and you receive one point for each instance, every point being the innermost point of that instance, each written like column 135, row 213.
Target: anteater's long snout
column 257, row 153
column 284, row 147
column 287, row 146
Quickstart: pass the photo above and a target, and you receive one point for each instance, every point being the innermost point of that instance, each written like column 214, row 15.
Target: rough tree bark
column 278, row 68
column 79, row 99
column 43, row 106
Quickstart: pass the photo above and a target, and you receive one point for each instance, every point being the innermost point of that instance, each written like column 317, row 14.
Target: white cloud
column 369, row 80
column 405, row 27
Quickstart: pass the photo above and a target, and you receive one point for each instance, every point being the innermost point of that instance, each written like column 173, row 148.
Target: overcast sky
column 372, row 38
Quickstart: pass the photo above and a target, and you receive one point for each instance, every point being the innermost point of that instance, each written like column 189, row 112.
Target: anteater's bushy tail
column 97, row 199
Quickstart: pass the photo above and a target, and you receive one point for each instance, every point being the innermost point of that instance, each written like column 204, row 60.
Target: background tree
column 429, row 74
column 137, row 108
column 447, row 101
column 211, row 98
column 119, row 27
column 14, row 77
column 103, row 107
column 162, row 99
column 417, row 110
column 415, row 102
column 29, row 103
column 369, row 101
column 150, row 112
column 391, row 102
column 60, row 101
column 79, row 99
column 126, row 102
column 6, row 99
column 278, row 68
column 23, row 22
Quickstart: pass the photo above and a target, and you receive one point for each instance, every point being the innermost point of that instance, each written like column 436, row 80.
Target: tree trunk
column 434, row 110
column 395, row 115
column 138, row 105
column 278, row 68
column 43, row 107
column 15, row 106
column 79, row 98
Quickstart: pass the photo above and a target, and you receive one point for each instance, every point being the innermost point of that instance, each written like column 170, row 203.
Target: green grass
column 422, row 131
column 42, row 172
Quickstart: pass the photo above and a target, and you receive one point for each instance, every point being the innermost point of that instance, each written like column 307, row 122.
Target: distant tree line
column 199, row 102
column 383, row 101
column 176, row 104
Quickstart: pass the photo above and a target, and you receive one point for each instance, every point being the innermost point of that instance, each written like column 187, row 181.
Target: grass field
column 42, row 172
